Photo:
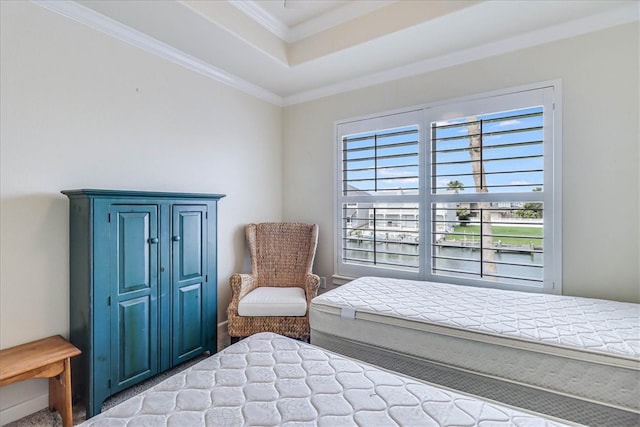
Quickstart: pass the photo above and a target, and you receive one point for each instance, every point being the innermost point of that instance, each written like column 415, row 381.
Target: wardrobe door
column 134, row 291
column 189, row 277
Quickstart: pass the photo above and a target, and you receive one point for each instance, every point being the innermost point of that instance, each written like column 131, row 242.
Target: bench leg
column 60, row 394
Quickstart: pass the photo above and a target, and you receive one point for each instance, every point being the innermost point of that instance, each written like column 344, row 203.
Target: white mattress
column 271, row 380
column 580, row 347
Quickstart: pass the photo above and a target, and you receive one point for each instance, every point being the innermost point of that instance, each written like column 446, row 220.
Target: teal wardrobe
column 143, row 286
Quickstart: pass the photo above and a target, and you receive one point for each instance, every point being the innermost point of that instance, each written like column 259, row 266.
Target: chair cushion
column 273, row 301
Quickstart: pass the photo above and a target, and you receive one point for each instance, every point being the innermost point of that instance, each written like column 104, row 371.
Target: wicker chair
column 281, row 257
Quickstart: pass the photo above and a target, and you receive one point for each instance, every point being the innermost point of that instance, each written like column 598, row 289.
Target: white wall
column 599, row 72
column 82, row 110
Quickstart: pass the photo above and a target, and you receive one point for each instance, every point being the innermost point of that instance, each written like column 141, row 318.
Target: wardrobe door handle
column 153, row 240
column 176, row 238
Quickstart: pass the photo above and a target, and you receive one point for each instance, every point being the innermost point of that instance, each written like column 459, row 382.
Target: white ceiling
column 290, row 51
column 296, row 12
column 292, row 20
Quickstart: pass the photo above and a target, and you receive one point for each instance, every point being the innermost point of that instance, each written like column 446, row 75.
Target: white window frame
column 388, row 120
column 547, row 93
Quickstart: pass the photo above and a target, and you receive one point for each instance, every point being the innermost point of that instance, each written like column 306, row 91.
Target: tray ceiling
column 290, row 51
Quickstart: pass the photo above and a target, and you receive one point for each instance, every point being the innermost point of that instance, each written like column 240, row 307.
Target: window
column 379, row 194
column 464, row 192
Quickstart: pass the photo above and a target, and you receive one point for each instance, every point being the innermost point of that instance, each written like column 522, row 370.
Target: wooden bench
column 45, row 358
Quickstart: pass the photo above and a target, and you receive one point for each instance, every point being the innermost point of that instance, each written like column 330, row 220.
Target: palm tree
column 455, row 186
column 479, row 177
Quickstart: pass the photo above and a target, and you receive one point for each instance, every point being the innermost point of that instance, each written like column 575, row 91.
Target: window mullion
column 375, row 236
column 481, row 229
column 482, row 177
column 375, row 162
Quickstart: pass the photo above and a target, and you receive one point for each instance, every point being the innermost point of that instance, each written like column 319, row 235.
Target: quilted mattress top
column 269, row 380
column 586, row 324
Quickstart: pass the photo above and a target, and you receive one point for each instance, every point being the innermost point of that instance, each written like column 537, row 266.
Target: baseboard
column 223, row 335
column 23, row 409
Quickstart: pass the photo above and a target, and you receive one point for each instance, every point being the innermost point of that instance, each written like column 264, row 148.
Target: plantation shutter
column 382, row 162
column 465, row 192
column 380, row 186
column 488, row 196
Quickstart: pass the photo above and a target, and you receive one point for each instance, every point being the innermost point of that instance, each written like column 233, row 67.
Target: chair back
column 282, row 253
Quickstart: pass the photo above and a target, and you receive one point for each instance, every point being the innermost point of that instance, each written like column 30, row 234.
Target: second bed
column 578, row 358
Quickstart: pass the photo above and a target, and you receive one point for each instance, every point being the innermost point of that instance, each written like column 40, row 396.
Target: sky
column 512, row 154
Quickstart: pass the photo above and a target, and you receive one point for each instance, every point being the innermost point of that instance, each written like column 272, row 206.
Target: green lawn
column 530, row 234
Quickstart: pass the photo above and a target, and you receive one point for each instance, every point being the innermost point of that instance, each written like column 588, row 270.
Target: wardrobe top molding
column 88, row 192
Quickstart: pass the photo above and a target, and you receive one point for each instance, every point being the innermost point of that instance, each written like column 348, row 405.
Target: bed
column 577, row 358
column 268, row 380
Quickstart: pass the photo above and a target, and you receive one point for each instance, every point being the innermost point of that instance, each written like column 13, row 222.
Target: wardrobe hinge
column 109, row 217
column 109, row 383
column 109, row 301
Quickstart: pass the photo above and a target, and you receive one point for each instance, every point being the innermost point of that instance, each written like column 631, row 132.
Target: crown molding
column 75, row 11
column 255, row 12
column 333, row 18
column 115, row 29
column 311, row 27
column 619, row 16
